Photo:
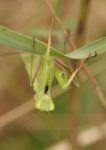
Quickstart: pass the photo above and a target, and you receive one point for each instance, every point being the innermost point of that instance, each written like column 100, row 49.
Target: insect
column 44, row 77
column 41, row 71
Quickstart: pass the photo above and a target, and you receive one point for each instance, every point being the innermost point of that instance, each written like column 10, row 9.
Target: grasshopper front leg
column 64, row 78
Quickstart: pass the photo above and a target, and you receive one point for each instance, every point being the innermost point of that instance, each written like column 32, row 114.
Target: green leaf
column 98, row 46
column 23, row 42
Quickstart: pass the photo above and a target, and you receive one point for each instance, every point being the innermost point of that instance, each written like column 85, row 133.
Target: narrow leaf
column 23, row 42
column 98, row 47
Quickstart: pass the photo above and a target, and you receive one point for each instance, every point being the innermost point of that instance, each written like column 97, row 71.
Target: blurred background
column 79, row 120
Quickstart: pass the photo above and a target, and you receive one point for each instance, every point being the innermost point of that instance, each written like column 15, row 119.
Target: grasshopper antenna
column 32, row 53
column 50, row 37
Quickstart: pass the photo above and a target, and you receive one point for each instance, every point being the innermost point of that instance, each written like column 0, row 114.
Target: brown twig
column 85, row 68
column 62, row 64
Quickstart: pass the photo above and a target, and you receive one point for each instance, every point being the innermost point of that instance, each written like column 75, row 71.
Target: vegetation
column 44, row 62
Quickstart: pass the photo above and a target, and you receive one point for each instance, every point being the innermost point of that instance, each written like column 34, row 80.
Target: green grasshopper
column 42, row 70
column 43, row 80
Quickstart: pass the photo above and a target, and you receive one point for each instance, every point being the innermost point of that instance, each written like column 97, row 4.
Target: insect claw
column 91, row 56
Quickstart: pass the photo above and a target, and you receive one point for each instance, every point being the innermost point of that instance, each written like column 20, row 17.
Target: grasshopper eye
column 46, row 88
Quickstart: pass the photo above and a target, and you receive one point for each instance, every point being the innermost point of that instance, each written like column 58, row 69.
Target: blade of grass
column 23, row 42
column 98, row 46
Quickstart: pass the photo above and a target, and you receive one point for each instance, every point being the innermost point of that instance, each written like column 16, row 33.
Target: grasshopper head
column 45, row 103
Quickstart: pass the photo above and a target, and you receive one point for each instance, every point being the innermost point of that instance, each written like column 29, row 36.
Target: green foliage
column 98, row 47
column 23, row 42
